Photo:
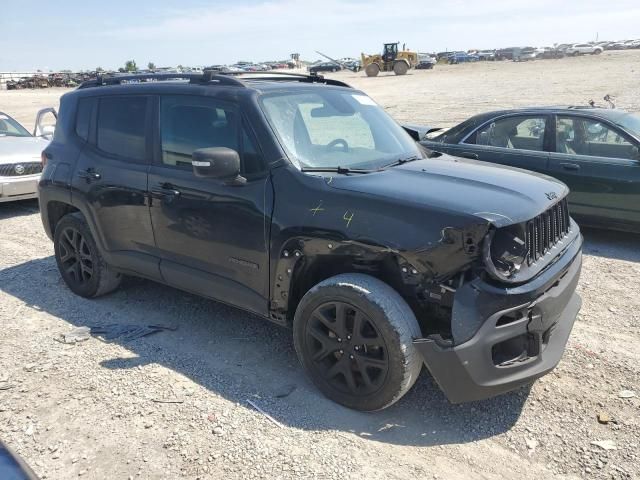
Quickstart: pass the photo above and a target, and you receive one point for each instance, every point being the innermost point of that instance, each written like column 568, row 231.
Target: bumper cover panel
column 467, row 371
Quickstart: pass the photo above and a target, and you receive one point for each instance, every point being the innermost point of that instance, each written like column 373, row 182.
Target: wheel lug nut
column 341, row 352
column 356, row 347
column 351, row 357
column 339, row 340
column 348, row 337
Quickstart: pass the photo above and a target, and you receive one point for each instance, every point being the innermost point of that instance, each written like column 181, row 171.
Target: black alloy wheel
column 75, row 257
column 80, row 261
column 347, row 349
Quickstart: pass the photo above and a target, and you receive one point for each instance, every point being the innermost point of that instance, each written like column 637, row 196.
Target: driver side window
column 519, row 133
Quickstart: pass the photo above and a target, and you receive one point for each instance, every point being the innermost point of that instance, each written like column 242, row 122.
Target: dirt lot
column 175, row 404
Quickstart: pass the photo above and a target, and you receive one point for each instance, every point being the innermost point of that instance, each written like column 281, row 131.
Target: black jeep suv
column 299, row 199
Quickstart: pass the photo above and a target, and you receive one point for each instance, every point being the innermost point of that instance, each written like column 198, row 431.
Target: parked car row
column 45, row 80
column 531, row 53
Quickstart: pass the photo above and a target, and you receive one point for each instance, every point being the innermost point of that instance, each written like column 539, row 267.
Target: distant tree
column 121, row 70
column 151, row 66
column 180, row 67
column 99, row 69
column 130, row 66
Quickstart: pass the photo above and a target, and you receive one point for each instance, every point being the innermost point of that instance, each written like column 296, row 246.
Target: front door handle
column 89, row 175
column 165, row 190
column 472, row 156
column 570, row 166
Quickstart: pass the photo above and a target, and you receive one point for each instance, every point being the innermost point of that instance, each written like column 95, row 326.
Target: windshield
column 10, row 128
column 330, row 128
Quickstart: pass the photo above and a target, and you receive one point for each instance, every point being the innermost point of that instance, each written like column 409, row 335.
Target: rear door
column 517, row 140
column 212, row 236
column 110, row 180
column 601, row 166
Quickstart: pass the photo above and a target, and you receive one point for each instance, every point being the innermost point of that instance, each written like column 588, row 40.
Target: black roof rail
column 206, row 77
column 215, row 77
column 284, row 76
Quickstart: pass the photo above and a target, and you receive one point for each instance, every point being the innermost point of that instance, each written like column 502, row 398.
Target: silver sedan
column 20, row 162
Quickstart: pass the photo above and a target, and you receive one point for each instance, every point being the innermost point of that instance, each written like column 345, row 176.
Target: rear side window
column 83, row 117
column 121, row 126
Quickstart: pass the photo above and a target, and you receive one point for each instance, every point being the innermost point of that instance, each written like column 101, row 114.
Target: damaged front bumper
column 506, row 337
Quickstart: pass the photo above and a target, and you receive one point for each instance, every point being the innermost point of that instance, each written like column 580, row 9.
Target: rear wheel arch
column 56, row 210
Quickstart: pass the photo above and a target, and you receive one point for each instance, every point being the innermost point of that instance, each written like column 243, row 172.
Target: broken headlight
column 505, row 252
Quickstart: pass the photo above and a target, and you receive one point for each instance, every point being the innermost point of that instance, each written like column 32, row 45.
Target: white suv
column 583, row 49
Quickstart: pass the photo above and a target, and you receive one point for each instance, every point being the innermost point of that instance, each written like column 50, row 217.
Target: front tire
column 80, row 263
column 354, row 337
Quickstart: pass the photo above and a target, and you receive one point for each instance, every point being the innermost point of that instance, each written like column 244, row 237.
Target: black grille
column 14, row 170
column 546, row 230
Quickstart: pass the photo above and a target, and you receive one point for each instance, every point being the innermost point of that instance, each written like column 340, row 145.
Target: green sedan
column 595, row 151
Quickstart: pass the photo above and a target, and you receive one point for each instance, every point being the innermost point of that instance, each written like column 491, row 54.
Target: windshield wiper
column 402, row 161
column 336, row 170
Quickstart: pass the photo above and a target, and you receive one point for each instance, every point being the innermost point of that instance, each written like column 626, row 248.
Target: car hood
column 500, row 194
column 21, row 149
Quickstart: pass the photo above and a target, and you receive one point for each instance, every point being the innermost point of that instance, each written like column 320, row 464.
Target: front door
column 601, row 166
column 110, row 180
column 212, row 236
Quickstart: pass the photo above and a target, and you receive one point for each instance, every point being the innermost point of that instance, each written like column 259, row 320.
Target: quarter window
column 83, row 117
column 519, row 133
column 591, row 137
column 121, row 126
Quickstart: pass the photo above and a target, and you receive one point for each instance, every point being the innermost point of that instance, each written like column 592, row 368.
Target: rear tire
column 354, row 337
column 400, row 68
column 372, row 70
column 79, row 260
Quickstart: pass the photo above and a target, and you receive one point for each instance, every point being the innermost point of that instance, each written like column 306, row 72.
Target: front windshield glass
column 333, row 128
column 10, row 128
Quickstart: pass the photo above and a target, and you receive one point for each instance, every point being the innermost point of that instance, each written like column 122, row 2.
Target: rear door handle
column 472, row 156
column 89, row 175
column 570, row 166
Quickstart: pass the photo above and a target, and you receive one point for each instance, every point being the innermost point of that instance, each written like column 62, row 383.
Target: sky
column 75, row 34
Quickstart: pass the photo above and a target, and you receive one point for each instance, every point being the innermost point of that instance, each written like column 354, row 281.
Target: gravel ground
column 176, row 403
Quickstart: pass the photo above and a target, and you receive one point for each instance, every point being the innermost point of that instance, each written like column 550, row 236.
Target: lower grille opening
column 514, row 350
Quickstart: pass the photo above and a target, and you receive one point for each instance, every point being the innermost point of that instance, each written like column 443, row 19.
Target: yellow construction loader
column 391, row 60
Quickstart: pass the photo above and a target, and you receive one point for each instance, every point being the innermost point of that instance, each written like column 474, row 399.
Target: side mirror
column 419, row 132
column 217, row 162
